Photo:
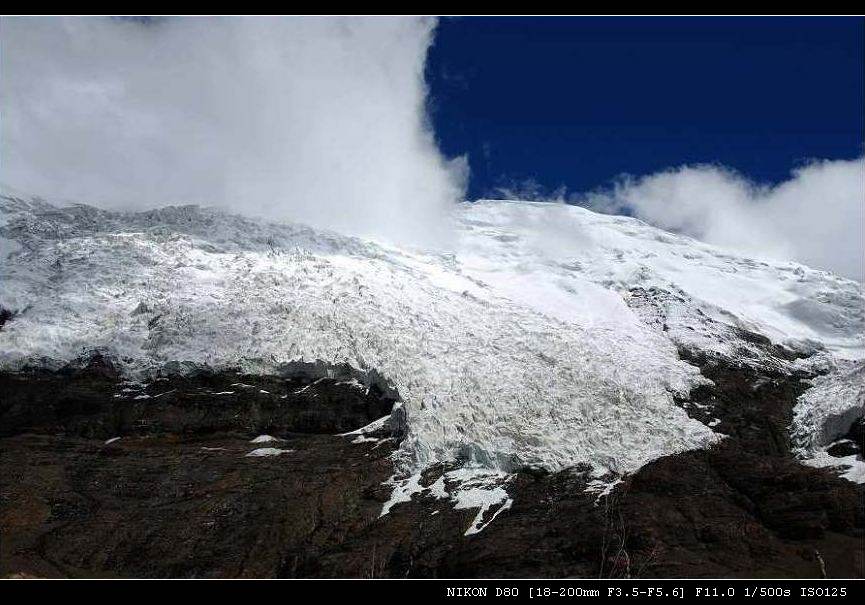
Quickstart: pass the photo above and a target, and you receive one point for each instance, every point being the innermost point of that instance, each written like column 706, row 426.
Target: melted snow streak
column 516, row 349
column 264, row 452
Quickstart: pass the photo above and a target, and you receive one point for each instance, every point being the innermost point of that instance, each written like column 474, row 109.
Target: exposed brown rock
column 177, row 496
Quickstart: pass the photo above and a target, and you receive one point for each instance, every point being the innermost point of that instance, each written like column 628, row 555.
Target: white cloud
column 321, row 120
column 817, row 217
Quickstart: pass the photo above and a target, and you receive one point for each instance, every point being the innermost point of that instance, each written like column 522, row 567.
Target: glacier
column 522, row 343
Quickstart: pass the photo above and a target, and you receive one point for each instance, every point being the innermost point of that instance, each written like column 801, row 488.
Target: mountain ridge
column 551, row 359
column 465, row 321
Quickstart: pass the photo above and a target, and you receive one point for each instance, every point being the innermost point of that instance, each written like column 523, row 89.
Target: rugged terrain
column 637, row 405
column 178, row 495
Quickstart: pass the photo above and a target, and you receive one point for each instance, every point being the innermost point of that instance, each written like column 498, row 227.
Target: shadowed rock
column 177, row 495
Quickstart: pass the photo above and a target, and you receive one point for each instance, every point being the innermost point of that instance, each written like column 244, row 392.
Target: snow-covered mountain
column 545, row 335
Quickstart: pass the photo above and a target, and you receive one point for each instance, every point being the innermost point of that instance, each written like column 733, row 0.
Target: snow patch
column 265, row 439
column 267, row 451
column 403, row 490
column 602, row 487
column 372, row 427
column 466, row 488
column 850, row 467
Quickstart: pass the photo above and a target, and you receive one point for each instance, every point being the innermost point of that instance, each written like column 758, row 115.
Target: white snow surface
column 515, row 347
column 545, row 253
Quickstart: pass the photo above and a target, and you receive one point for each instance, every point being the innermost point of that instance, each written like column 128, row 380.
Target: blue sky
column 578, row 101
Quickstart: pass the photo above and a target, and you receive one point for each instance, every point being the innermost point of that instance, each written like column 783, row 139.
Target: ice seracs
column 824, row 414
column 483, row 377
column 542, row 337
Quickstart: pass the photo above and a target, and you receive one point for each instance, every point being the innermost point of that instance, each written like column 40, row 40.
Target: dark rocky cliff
column 177, row 496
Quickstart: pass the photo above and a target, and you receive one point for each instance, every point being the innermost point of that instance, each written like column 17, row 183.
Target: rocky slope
column 182, row 492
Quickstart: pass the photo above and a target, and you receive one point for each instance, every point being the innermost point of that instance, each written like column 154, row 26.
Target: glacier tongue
column 515, row 349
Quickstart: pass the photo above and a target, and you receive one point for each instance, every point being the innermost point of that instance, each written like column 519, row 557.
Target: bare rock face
column 103, row 478
column 5, row 315
column 94, row 402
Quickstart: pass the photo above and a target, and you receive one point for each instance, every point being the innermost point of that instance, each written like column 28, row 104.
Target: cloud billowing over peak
column 320, row 120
